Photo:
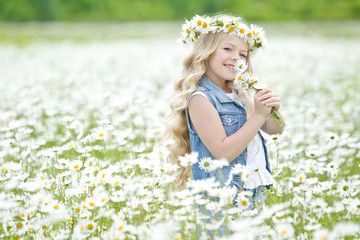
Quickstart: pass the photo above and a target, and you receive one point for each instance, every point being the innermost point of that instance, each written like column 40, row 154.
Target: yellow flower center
column 120, row 228
column 56, row 207
column 76, row 166
column 90, row 226
column 77, row 210
column 3, row 170
column 247, row 175
column 22, row 215
column 187, row 31
column 231, row 29
column 101, row 135
column 91, row 204
column 204, row 25
column 244, row 203
column 198, row 23
column 311, row 168
column 283, row 232
column 69, row 220
column 242, row 30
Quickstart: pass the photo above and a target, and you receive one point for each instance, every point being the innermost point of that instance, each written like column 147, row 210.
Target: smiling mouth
column 230, row 66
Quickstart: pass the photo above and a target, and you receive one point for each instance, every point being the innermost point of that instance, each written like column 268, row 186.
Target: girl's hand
column 261, row 108
column 269, row 98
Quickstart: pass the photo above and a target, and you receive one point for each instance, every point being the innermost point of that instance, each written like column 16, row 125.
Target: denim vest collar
column 205, row 82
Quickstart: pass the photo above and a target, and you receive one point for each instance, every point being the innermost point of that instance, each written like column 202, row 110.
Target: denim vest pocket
column 230, row 122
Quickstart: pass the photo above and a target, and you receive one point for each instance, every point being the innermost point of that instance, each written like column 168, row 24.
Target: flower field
column 79, row 122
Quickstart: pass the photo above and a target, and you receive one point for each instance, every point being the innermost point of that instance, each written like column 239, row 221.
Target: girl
column 209, row 116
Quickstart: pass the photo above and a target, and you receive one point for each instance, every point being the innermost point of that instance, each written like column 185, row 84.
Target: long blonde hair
column 194, row 68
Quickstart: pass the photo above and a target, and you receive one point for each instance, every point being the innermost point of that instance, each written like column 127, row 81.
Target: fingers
column 266, row 94
column 263, row 91
column 269, row 98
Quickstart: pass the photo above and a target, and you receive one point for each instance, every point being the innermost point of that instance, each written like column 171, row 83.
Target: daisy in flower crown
column 197, row 26
column 212, row 117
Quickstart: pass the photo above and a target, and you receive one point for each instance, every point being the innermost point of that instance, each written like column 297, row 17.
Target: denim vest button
column 228, row 120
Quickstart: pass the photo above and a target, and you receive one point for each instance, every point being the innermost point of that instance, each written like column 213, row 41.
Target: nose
column 236, row 56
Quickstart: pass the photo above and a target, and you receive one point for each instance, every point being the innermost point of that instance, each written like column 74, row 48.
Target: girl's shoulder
column 200, row 90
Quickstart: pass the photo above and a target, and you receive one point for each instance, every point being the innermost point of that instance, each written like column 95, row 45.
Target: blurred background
column 169, row 10
column 25, row 21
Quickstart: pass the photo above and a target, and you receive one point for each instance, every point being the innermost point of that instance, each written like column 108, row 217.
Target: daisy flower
column 67, row 118
column 100, row 134
column 243, row 200
column 258, row 35
column 90, row 203
column 242, row 30
column 55, row 207
column 237, row 169
column 241, row 170
column 241, row 66
column 285, row 230
column 203, row 185
column 101, row 199
column 245, row 175
column 75, row 165
column 344, row 188
column 69, row 145
column 321, row 234
column 188, row 159
column 205, row 164
column 218, row 164
column 343, row 229
column 203, row 24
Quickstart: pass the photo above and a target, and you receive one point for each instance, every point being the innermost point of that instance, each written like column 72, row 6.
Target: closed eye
column 243, row 55
column 227, row 49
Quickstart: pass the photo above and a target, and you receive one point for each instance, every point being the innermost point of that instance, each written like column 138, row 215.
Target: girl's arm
column 208, row 125
column 270, row 126
column 271, row 99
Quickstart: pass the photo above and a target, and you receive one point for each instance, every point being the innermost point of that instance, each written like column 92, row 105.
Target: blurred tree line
column 145, row 10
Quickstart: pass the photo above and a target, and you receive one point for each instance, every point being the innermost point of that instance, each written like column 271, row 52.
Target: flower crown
column 198, row 25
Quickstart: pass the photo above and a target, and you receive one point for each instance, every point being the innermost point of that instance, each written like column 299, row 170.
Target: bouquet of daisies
column 245, row 81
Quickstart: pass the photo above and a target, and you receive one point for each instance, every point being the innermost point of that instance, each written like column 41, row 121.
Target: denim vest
column 233, row 117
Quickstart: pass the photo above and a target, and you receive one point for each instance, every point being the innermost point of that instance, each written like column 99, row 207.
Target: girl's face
column 221, row 63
